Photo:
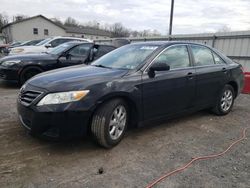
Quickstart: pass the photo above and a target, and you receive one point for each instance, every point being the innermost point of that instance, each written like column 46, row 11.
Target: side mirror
column 157, row 66
column 68, row 56
column 48, row 46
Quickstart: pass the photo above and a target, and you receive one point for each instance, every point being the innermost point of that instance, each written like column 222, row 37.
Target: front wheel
column 110, row 122
column 28, row 73
column 225, row 101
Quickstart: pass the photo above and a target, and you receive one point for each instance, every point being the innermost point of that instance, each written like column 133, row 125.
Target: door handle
column 190, row 75
column 224, row 70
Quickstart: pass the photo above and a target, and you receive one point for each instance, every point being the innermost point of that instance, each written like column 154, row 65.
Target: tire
column 106, row 130
column 225, row 101
column 28, row 73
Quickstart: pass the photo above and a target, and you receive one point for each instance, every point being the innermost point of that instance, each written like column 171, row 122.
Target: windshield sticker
column 148, row 47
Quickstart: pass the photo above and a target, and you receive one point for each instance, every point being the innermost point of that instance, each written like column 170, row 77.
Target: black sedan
column 132, row 85
column 20, row 68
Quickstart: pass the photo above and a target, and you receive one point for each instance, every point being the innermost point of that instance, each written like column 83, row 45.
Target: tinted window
column 102, row 50
column 175, row 57
column 57, row 42
column 217, row 59
column 81, row 50
column 202, row 55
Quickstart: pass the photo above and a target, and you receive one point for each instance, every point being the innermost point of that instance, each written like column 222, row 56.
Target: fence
column 236, row 45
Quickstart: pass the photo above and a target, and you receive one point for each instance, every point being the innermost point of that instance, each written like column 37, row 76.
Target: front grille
column 27, row 97
column 2, row 75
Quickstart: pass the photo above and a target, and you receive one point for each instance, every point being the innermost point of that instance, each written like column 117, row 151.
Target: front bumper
column 8, row 74
column 64, row 125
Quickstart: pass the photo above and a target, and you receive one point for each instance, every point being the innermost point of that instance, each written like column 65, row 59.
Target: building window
column 46, row 32
column 35, row 31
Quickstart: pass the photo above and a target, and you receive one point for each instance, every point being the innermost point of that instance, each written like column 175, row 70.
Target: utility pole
column 171, row 19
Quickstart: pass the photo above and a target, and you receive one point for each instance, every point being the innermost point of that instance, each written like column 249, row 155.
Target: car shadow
column 9, row 85
column 87, row 144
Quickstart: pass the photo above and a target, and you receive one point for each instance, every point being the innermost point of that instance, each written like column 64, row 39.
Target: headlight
column 17, row 50
column 10, row 63
column 63, row 97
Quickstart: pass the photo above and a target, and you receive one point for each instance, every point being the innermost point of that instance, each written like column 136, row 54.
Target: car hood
column 30, row 57
column 28, row 49
column 74, row 78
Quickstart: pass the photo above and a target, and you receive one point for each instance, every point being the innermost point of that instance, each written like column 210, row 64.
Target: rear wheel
column 225, row 101
column 110, row 122
column 28, row 73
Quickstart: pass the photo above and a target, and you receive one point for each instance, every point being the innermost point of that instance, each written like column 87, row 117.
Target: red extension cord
column 197, row 159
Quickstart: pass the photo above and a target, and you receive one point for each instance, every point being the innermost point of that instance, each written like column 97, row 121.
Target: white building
column 40, row 27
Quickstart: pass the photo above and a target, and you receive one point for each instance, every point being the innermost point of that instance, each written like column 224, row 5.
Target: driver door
column 75, row 56
column 172, row 91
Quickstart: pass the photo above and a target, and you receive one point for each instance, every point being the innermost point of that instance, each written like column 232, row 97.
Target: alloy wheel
column 226, row 100
column 117, row 122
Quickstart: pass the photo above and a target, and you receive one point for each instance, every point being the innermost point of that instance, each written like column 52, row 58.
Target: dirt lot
column 142, row 156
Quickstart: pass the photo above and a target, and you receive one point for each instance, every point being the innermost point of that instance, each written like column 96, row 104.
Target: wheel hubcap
column 226, row 100
column 117, row 122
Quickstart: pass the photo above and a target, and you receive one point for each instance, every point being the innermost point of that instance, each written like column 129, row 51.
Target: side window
column 35, row 31
column 58, row 42
column 175, row 57
column 55, row 42
column 81, row 50
column 202, row 55
column 217, row 59
column 46, row 32
column 102, row 50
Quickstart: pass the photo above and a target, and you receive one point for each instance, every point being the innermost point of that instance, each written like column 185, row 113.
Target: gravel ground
column 142, row 156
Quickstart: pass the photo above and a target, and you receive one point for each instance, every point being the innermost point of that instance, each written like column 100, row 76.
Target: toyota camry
column 132, row 85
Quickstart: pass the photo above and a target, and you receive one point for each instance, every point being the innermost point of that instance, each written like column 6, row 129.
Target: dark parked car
column 134, row 84
column 22, row 67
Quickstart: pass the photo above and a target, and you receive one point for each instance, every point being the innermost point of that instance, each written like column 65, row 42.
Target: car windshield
column 43, row 42
column 61, row 48
column 33, row 42
column 126, row 57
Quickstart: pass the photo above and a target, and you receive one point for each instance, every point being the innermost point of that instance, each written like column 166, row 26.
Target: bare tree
column 92, row 24
column 19, row 17
column 71, row 22
column 57, row 21
column 118, row 30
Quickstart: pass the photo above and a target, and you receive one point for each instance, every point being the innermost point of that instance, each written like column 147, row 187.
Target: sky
column 190, row 16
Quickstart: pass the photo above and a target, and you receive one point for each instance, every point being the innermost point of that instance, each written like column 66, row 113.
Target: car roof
column 167, row 43
column 107, row 45
column 76, row 38
column 78, row 42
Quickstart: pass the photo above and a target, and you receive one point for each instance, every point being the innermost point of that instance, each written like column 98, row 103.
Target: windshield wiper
column 102, row 66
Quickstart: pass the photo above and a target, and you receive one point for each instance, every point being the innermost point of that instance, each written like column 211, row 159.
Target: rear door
column 211, row 75
column 173, row 91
